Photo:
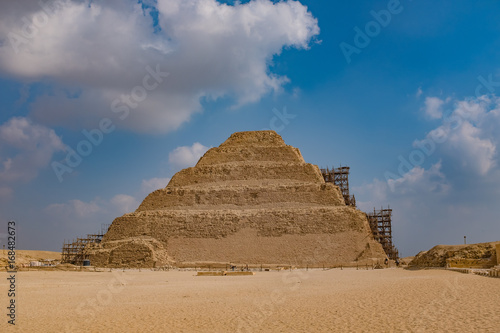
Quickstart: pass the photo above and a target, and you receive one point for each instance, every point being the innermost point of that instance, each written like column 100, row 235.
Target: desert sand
column 24, row 257
column 348, row 300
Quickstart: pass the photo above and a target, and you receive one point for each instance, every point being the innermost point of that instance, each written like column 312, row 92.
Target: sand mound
column 24, row 257
column 251, row 200
column 482, row 254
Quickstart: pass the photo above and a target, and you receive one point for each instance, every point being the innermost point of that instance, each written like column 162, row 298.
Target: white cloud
column 80, row 210
column 469, row 134
column 73, row 208
column 153, row 184
column 433, row 107
column 209, row 49
column 435, row 205
column 414, row 185
column 419, row 203
column 473, row 153
column 124, row 203
column 473, row 109
column 419, row 92
column 422, row 181
column 183, row 157
column 25, row 148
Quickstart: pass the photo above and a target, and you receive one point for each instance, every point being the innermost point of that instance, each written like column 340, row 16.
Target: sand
column 480, row 255
column 26, row 256
column 349, row 300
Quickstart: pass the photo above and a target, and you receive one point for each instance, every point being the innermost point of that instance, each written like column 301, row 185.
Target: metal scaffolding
column 340, row 177
column 380, row 221
column 73, row 253
column 381, row 226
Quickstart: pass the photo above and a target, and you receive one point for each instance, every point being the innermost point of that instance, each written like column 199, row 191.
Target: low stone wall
column 494, row 273
column 483, row 272
column 460, row 270
column 225, row 273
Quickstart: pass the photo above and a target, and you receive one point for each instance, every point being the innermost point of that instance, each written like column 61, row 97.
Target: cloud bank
column 438, row 203
column 25, row 148
column 105, row 58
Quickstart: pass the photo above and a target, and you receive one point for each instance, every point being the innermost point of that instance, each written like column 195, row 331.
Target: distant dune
column 481, row 255
column 25, row 256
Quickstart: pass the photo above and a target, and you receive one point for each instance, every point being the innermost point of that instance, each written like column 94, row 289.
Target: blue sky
column 413, row 111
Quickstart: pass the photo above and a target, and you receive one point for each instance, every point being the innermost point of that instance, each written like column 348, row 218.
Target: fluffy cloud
column 472, row 151
column 153, row 184
column 183, row 157
column 468, row 135
column 433, row 107
column 419, row 92
column 208, row 49
column 419, row 202
column 124, row 203
column 83, row 211
column 97, row 210
column 25, row 148
column 73, row 208
column 420, row 181
column 411, row 187
column 436, row 204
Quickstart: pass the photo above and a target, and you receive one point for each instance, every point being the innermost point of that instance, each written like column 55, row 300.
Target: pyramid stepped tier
column 252, row 200
column 267, row 222
column 302, row 172
column 219, row 155
column 242, row 196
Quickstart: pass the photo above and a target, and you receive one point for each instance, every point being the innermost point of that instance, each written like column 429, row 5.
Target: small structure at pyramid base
column 252, row 200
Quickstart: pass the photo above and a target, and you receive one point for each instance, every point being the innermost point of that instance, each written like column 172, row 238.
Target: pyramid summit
column 252, row 200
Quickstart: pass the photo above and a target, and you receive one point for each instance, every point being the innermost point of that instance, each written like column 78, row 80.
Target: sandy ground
column 349, row 300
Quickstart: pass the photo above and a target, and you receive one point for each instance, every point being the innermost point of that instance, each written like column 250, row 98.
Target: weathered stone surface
column 498, row 253
column 251, row 200
column 482, row 255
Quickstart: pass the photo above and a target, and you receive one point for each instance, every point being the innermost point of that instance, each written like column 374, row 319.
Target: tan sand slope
column 26, row 256
column 349, row 300
column 483, row 254
column 252, row 200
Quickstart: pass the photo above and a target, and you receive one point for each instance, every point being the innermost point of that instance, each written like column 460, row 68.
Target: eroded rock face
column 252, row 200
column 440, row 255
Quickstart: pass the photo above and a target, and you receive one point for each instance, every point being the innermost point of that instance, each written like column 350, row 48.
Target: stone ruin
column 252, row 200
column 480, row 255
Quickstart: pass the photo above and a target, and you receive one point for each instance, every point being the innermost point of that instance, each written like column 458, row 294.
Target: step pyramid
column 252, row 200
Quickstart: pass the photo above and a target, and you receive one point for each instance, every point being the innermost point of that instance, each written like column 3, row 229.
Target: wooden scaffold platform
column 72, row 252
column 340, row 177
column 380, row 220
column 381, row 226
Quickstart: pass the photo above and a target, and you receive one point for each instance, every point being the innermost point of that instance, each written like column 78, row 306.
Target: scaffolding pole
column 381, row 225
column 340, row 177
column 73, row 252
